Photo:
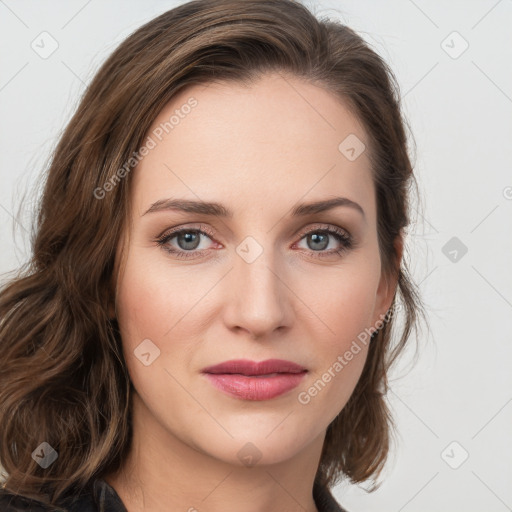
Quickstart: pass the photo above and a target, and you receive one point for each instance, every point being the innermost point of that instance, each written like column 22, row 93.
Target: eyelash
column 340, row 235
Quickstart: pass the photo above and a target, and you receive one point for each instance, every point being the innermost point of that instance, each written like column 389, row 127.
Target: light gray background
column 460, row 111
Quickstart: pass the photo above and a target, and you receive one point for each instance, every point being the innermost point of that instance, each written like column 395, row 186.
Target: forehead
column 275, row 140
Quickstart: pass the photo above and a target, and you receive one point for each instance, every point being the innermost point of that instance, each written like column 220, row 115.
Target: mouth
column 251, row 380
column 254, row 368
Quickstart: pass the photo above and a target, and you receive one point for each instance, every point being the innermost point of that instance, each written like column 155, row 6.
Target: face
column 261, row 277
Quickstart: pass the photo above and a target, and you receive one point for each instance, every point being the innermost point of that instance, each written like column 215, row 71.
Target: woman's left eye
column 318, row 240
column 188, row 241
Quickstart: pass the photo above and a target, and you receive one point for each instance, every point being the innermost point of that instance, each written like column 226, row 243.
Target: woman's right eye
column 188, row 241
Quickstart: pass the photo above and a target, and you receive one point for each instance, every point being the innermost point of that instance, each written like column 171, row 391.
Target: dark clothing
column 103, row 498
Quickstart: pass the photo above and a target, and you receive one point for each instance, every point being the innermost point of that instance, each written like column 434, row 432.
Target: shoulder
column 99, row 496
column 325, row 501
column 16, row 503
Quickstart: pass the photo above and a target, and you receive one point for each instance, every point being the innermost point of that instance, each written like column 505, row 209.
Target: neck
column 163, row 473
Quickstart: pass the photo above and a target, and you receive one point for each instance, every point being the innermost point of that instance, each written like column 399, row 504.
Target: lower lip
column 255, row 388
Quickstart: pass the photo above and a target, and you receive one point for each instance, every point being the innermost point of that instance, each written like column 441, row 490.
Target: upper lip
column 247, row 367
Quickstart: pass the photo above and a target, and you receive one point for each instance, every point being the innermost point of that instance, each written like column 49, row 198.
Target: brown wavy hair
column 63, row 378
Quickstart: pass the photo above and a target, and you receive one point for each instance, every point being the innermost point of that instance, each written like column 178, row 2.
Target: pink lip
column 251, row 380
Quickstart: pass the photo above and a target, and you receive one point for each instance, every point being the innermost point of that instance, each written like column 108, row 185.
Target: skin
column 258, row 150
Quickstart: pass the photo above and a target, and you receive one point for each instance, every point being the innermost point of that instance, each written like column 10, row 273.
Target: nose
column 258, row 300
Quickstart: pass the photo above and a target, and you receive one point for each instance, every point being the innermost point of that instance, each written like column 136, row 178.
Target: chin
column 256, row 447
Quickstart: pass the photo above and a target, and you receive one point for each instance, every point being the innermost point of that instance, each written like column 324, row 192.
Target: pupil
column 315, row 237
column 191, row 240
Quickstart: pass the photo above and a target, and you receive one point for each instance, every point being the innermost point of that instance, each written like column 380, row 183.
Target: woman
column 206, row 320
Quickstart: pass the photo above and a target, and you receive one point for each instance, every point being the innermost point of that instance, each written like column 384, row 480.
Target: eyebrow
column 218, row 210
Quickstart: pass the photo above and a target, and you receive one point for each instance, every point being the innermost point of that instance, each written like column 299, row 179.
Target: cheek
column 343, row 301
column 167, row 305
column 345, row 305
column 154, row 307
column 154, row 301
column 340, row 358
